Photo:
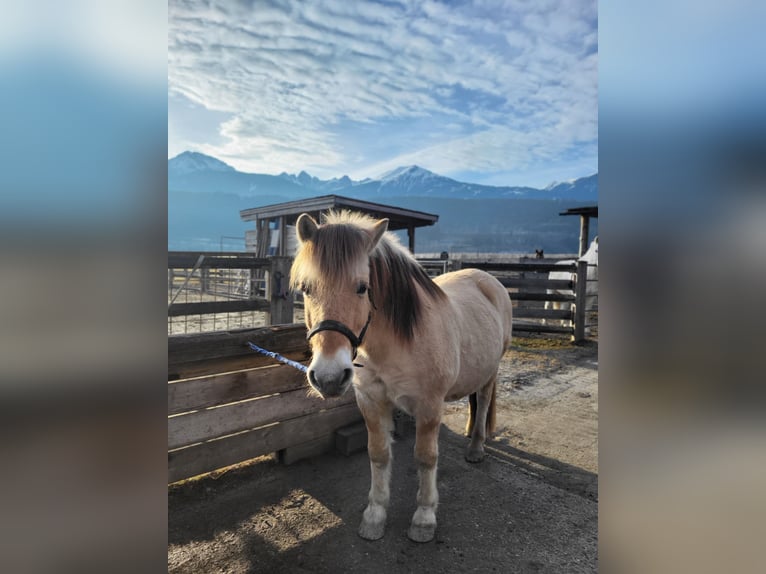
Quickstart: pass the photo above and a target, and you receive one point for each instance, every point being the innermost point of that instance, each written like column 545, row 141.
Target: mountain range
column 205, row 196
column 193, row 171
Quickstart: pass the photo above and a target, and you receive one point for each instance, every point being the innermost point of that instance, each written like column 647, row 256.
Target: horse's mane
column 399, row 286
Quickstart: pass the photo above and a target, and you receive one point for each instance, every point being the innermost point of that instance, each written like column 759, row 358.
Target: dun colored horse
column 379, row 323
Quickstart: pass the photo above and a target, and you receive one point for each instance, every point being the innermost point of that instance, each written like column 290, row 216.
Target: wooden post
column 584, row 232
column 581, row 284
column 278, row 291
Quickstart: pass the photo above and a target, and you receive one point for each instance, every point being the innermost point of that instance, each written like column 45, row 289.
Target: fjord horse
column 379, row 323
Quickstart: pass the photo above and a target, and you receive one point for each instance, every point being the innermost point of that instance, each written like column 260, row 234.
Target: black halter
column 338, row 327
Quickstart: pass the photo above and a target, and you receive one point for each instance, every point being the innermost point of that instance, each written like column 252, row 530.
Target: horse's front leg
column 423, row 526
column 379, row 421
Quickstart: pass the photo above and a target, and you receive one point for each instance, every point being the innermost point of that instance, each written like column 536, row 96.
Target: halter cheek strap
column 338, row 327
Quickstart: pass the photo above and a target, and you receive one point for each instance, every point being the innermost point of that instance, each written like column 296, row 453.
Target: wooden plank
column 523, row 296
column 524, row 313
column 187, row 260
column 520, row 267
column 208, row 391
column 537, row 328
column 207, row 307
column 208, row 367
column 195, row 347
column 206, row 424
column 537, row 283
column 211, row 455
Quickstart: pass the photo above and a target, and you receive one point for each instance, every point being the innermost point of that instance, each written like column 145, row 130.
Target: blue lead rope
column 278, row 357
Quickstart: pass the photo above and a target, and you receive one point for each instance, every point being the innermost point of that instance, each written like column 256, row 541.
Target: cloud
column 484, row 79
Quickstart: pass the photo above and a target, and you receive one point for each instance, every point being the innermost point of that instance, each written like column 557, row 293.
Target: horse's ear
column 376, row 232
column 306, row 227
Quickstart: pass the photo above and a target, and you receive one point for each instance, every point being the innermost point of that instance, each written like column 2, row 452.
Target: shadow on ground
column 514, row 512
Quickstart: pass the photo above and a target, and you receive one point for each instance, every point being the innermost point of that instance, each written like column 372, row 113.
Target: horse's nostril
column 312, row 378
column 347, row 374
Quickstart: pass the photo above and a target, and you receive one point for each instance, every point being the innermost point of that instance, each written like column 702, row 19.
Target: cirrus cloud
column 339, row 87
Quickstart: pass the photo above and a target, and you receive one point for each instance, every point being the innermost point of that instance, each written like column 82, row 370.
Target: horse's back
column 476, row 295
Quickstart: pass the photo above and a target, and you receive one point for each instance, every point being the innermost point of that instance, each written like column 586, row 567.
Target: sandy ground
column 530, row 506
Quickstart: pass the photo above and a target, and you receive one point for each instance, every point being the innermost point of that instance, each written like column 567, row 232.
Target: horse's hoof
column 372, row 530
column 474, row 455
column 421, row 533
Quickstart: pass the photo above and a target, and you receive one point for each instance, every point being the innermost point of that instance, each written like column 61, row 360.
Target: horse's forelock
column 330, row 256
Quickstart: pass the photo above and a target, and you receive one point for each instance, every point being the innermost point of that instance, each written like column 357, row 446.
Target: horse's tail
column 491, row 411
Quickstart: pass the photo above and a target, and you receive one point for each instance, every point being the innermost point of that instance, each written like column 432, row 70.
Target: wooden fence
column 227, row 404
column 530, row 288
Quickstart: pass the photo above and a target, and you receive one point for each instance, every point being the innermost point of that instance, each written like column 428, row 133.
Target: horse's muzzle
column 331, row 385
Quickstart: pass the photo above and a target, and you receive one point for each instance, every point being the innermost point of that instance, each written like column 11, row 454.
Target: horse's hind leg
column 423, row 525
column 379, row 421
column 483, row 420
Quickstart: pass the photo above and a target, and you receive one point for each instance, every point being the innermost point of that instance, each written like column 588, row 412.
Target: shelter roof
column 399, row 217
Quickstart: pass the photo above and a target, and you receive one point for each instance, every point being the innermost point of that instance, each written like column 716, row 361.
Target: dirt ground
column 530, row 506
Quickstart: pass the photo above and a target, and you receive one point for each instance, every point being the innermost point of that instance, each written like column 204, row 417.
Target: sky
column 485, row 91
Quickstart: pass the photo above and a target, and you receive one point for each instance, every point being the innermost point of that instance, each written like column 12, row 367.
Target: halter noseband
column 338, row 327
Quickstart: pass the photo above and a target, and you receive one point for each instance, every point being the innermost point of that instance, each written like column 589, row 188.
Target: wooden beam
column 207, row 307
column 212, row 455
column 519, row 296
column 579, row 304
column 584, row 232
column 520, row 267
column 208, row 391
column 251, row 360
column 522, row 313
column 187, row 260
column 206, row 424
column 537, row 283
column 196, row 347
column 537, row 328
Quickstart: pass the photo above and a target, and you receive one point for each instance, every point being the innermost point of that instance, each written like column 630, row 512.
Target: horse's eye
column 362, row 289
column 306, row 290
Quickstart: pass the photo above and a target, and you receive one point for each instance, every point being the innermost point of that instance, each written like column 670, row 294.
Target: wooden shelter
column 585, row 214
column 274, row 224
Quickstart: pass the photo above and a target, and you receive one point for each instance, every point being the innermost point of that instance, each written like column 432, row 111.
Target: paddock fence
column 228, row 404
column 530, row 288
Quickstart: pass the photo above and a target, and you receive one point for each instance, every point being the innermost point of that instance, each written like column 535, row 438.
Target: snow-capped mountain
column 584, row 186
column 192, row 171
column 205, row 197
column 191, row 162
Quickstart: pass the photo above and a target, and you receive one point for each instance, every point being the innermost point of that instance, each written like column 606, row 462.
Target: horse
column 591, row 289
column 378, row 323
